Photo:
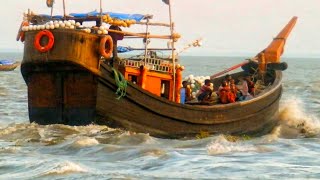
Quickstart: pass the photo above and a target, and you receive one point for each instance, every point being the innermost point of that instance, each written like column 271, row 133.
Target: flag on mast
column 166, row 1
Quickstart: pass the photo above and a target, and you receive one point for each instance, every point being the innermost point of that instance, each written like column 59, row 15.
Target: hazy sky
column 228, row 27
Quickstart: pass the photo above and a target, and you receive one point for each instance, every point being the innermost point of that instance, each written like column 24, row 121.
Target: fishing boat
column 8, row 65
column 75, row 77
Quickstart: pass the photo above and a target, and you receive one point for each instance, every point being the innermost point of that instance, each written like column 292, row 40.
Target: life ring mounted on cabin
column 37, row 40
column 106, row 46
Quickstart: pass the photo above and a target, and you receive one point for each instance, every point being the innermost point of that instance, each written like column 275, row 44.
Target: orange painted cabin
column 158, row 83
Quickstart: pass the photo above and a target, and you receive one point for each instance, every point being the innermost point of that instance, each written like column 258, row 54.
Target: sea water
column 290, row 151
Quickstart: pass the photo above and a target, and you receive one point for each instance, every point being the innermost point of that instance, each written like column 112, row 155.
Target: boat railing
column 153, row 64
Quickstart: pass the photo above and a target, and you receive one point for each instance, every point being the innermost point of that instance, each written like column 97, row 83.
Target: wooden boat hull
column 10, row 67
column 71, row 86
column 141, row 111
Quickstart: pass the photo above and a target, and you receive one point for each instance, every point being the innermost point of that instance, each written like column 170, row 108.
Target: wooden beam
column 139, row 34
column 153, row 24
column 152, row 49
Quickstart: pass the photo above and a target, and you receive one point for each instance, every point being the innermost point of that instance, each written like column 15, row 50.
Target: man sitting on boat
column 248, row 90
column 205, row 91
column 225, row 94
column 228, row 78
column 234, row 89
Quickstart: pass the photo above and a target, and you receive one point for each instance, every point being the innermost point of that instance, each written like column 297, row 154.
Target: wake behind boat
column 75, row 76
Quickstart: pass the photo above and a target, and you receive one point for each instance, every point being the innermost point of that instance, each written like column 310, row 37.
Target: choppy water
column 291, row 151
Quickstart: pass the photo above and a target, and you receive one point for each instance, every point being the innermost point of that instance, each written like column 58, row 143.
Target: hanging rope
column 121, row 82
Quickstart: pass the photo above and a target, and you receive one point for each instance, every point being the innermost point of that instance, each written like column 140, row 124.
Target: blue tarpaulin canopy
column 83, row 15
column 122, row 16
column 137, row 17
column 95, row 13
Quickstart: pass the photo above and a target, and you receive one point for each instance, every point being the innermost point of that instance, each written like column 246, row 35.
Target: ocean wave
column 295, row 121
column 11, row 149
column 84, row 142
column 3, row 94
column 84, row 135
column 269, row 138
column 131, row 138
column 221, row 145
column 155, row 152
column 65, row 168
column 92, row 130
column 74, row 136
column 3, row 91
column 315, row 86
column 20, row 133
column 12, row 128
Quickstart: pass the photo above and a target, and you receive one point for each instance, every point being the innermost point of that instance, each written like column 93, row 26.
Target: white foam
column 66, row 167
column 85, row 142
column 271, row 137
column 12, row 128
column 222, row 146
column 9, row 149
column 91, row 129
column 133, row 138
column 295, row 120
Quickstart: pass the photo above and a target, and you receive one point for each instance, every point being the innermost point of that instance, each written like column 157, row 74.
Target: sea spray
column 20, row 133
column 271, row 137
column 84, row 142
column 131, row 138
column 295, row 121
column 221, row 145
column 66, row 167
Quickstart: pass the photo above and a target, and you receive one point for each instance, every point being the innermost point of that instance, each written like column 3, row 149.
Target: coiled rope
column 121, row 82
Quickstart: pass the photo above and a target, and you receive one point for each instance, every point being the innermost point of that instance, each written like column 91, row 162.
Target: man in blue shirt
column 184, row 92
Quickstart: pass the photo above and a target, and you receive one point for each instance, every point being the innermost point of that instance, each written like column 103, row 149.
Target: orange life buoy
column 38, row 37
column 106, row 46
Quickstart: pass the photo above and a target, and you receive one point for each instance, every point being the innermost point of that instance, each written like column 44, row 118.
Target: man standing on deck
column 115, row 37
column 185, row 93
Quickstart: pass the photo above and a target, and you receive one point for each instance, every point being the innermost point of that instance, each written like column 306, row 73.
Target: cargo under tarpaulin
column 121, row 16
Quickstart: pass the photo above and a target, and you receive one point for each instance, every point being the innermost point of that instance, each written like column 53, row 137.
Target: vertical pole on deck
column 146, row 43
column 100, row 12
column 64, row 9
column 51, row 10
column 173, row 53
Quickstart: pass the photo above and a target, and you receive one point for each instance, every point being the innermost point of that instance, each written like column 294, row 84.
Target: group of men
column 228, row 92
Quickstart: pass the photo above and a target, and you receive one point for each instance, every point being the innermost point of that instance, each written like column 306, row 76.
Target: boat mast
column 51, row 10
column 146, row 42
column 173, row 53
column 100, row 12
column 64, row 9
column 50, row 5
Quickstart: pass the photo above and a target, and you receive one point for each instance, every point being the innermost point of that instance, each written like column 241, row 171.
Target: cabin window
column 165, row 88
column 133, row 78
